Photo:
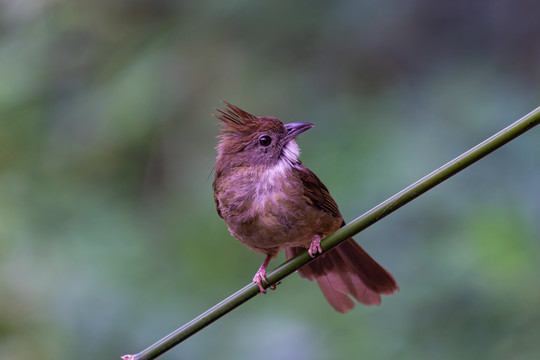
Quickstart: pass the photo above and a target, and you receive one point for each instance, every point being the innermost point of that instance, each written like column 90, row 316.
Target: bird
column 272, row 202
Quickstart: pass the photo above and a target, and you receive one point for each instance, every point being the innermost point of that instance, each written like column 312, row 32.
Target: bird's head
column 249, row 140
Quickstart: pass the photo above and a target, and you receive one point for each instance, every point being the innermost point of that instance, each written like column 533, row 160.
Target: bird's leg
column 315, row 246
column 260, row 275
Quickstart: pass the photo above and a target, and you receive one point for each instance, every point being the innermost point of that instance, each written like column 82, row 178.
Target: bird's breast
column 265, row 208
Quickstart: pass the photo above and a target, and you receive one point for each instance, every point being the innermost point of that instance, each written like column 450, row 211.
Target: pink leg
column 260, row 275
column 315, row 246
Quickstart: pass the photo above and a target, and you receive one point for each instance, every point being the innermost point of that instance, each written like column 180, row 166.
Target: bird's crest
column 235, row 119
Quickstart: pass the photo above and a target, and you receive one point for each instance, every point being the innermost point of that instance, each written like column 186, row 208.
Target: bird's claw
column 315, row 246
column 259, row 277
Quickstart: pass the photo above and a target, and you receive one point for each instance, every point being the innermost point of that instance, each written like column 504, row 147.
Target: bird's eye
column 265, row 140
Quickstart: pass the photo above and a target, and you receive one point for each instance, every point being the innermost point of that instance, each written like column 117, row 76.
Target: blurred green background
column 109, row 237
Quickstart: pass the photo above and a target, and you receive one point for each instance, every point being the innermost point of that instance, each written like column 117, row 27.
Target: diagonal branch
column 369, row 218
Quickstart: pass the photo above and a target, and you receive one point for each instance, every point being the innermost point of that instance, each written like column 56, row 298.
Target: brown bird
column 271, row 202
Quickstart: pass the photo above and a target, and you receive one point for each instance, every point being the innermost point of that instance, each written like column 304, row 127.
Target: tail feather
column 332, row 290
column 348, row 270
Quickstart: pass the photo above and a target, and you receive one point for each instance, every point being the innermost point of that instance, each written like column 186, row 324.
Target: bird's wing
column 316, row 192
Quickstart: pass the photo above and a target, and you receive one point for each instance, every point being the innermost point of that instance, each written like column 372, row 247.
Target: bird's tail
column 348, row 270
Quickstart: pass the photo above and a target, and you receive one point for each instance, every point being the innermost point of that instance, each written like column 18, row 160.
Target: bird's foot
column 260, row 276
column 315, row 246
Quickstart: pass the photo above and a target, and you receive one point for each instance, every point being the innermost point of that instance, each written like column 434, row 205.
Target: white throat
column 291, row 152
column 269, row 181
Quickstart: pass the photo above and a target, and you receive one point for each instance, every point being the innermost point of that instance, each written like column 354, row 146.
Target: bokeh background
column 109, row 239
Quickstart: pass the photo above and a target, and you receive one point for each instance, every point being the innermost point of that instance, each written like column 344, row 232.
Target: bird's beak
column 295, row 129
